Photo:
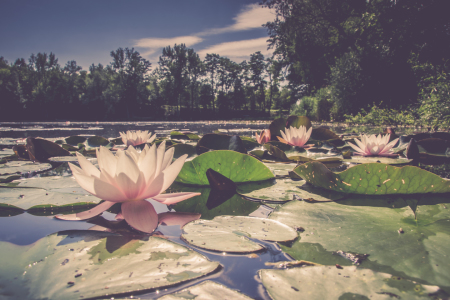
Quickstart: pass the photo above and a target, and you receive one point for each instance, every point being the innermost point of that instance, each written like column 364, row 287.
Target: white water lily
column 373, row 145
column 130, row 177
column 137, row 137
column 296, row 136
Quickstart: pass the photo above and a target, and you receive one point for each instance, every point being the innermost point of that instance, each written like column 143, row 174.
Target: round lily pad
column 323, row 282
column 286, row 189
column 22, row 167
column 394, row 239
column 232, row 233
column 206, row 290
column 374, row 179
column 280, row 168
column 89, row 264
column 236, row 166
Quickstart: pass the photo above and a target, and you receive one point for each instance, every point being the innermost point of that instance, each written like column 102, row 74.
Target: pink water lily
column 373, row 145
column 263, row 137
column 296, row 136
column 137, row 137
column 130, row 177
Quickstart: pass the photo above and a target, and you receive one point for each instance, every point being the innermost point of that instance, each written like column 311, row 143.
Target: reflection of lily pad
column 372, row 226
column 229, row 234
column 236, row 166
column 235, row 205
column 286, row 189
column 90, row 264
column 206, row 290
column 22, row 167
column 378, row 159
column 374, row 179
column 321, row 282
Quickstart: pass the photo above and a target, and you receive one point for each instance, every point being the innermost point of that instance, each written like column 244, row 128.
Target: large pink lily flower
column 263, row 137
column 137, row 137
column 129, row 178
column 296, row 136
column 373, row 145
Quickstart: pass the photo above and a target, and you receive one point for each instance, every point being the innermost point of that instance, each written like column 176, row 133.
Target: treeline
column 340, row 59
column 354, row 54
column 182, row 86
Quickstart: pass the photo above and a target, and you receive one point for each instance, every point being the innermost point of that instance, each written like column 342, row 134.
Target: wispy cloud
column 251, row 16
column 153, row 45
column 239, row 50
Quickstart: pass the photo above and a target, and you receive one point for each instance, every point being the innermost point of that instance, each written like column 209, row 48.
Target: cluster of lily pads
column 372, row 230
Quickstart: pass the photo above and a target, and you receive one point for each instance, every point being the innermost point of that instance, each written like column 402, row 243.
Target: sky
column 88, row 30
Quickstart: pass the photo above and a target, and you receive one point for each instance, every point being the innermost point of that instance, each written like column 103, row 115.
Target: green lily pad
column 280, row 169
column 297, row 121
column 323, row 134
column 282, row 146
column 97, row 141
column 214, row 141
column 236, row 166
column 206, row 290
column 22, row 167
column 374, row 179
column 89, row 264
column 41, row 149
column 322, row 282
column 75, row 140
column 385, row 229
column 286, row 190
column 231, row 233
column 275, row 127
column 182, row 149
column 249, row 143
column 377, row 159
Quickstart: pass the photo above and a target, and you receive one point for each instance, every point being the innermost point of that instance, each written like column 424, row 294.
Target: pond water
column 402, row 241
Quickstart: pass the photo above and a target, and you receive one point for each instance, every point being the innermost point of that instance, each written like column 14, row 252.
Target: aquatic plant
column 263, row 137
column 296, row 136
column 129, row 178
column 373, row 145
column 137, row 137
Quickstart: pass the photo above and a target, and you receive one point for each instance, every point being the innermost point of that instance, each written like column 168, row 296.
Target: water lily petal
column 160, row 157
column 282, row 140
column 86, row 182
column 88, row 168
column 168, row 157
column 107, row 162
column 84, row 215
column 107, row 191
column 173, row 198
column 154, row 187
column 152, row 138
column 76, row 169
column 356, row 148
column 171, row 172
column 140, row 215
column 177, row 218
column 127, row 165
column 148, row 164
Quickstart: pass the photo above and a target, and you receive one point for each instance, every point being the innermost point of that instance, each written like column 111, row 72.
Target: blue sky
column 88, row 30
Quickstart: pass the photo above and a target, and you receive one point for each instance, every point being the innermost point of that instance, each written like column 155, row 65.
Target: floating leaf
column 286, row 190
column 385, row 228
column 322, row 282
column 41, row 150
column 22, row 167
column 249, row 143
column 230, row 233
column 323, row 134
column 374, row 179
column 206, row 290
column 281, row 146
column 275, row 127
column 182, row 149
column 236, row 144
column 214, row 141
column 297, row 121
column 102, row 265
column 377, row 159
column 277, row 153
column 75, row 140
column 238, row 167
column 10, row 210
column 97, row 141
